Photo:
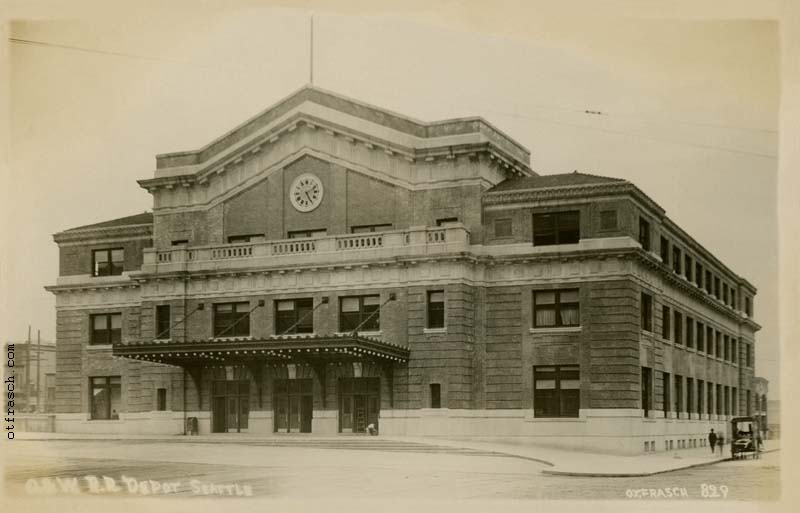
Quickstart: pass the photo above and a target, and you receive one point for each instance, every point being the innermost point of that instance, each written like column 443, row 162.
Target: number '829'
column 710, row 491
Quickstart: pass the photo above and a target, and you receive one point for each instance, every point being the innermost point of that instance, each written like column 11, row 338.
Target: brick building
column 328, row 265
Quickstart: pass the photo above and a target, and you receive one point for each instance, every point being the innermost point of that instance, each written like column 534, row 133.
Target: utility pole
column 38, row 367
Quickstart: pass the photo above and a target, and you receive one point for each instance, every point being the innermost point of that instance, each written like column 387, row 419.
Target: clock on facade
column 306, row 192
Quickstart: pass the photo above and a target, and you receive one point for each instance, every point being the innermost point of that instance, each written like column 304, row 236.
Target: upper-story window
column 698, row 274
column 370, row 228
column 687, row 266
column 359, row 310
column 503, row 228
column 701, row 337
column 106, row 328
column 108, row 262
column 733, row 298
column 676, row 259
column 647, row 312
column 665, row 322
column 180, row 242
column 241, row 239
column 294, row 316
column 556, row 228
column 710, row 341
column 435, row 309
column 708, row 282
column 748, row 355
column 725, row 293
column 446, row 221
column 608, row 219
column 232, row 319
column 748, row 306
column 717, row 287
column 678, row 327
column 163, row 322
column 664, row 250
column 689, row 332
column 644, row 234
column 554, row 308
column 307, row 234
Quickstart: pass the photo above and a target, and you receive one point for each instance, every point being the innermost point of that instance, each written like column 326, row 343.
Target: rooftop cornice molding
column 344, row 105
column 202, row 173
column 107, row 232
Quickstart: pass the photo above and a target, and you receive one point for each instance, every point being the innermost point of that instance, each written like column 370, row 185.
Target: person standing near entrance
column 712, row 440
column 721, row 442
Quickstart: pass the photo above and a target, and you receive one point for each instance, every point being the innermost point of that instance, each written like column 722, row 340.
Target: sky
column 689, row 112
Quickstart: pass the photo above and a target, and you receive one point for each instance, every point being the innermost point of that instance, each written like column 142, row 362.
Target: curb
column 639, row 474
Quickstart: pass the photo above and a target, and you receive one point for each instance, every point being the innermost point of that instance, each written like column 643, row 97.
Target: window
column 748, row 355
column 307, row 234
column 710, row 397
column 370, row 228
column 241, row 239
column 734, row 351
column 665, row 322
column 725, row 293
column 232, row 319
column 446, row 221
column 435, row 309
column 689, row 332
column 708, row 282
column 107, row 262
column 700, row 397
column 294, row 316
column 676, row 259
column 701, row 337
column 556, row 391
column 698, row 274
column 355, row 310
column 726, row 348
column 647, row 312
column 502, row 228
column 719, row 400
column 666, row 385
column 161, row 399
column 710, row 340
column 556, row 228
column 664, row 251
column 647, row 393
column 436, row 395
column 180, row 242
column 106, row 329
column 687, row 267
column 689, row 396
column 163, row 322
column 719, row 345
column 608, row 219
column 735, row 403
column 105, row 397
column 733, row 298
column 716, row 287
column 644, row 234
column 678, row 395
column 748, row 306
column 678, row 328
column 554, row 308
column 748, row 404
column 727, row 401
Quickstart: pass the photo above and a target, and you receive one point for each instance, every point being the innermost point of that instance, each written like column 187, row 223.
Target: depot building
column 328, row 265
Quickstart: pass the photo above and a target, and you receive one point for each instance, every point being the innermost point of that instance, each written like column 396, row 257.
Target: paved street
column 352, row 468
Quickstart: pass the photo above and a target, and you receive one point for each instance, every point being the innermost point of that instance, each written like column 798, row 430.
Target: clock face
column 305, row 192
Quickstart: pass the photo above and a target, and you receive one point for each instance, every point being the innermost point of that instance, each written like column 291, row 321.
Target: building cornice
column 108, row 232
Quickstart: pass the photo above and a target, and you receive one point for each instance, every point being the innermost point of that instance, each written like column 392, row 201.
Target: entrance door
column 293, row 405
column 359, row 404
column 230, row 406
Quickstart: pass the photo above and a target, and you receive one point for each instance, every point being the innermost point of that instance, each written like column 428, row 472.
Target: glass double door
column 293, row 405
column 230, row 406
column 359, row 404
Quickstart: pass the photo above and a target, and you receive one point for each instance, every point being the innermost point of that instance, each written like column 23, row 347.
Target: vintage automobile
column 745, row 437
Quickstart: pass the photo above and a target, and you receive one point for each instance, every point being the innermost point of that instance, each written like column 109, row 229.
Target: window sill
column 296, row 335
column 223, row 339
column 556, row 329
column 364, row 333
column 434, row 330
column 162, row 340
column 99, row 347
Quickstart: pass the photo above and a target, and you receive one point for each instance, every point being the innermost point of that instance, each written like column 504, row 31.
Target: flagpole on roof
column 311, row 60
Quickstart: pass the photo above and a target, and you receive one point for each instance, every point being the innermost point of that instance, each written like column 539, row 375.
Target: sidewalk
column 559, row 461
column 574, row 463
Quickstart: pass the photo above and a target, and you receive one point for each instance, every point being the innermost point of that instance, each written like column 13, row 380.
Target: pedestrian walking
column 712, row 440
column 721, row 442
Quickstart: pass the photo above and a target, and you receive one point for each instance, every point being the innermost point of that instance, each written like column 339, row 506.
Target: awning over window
column 287, row 349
